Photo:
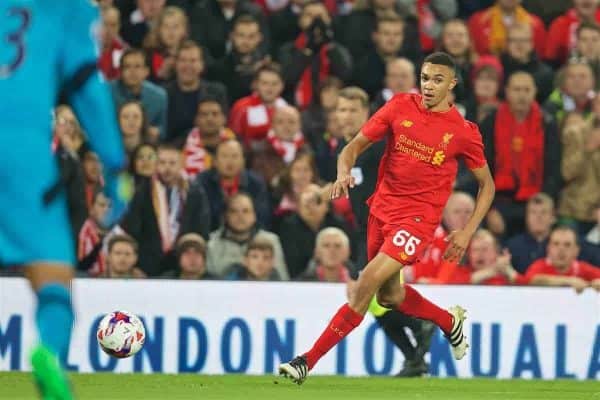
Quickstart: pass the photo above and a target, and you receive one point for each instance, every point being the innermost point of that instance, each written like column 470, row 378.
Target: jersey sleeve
column 91, row 99
column 538, row 267
column 472, row 150
column 379, row 125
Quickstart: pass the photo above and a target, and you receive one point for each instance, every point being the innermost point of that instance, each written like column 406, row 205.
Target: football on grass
column 121, row 334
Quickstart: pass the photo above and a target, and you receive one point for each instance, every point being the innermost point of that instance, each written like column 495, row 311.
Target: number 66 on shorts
column 404, row 239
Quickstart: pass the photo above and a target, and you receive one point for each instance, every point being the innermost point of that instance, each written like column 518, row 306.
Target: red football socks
column 342, row 323
column 418, row 306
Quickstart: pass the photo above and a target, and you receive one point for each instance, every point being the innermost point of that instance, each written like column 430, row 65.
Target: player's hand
column 341, row 185
column 579, row 284
column 458, row 241
column 595, row 284
column 119, row 188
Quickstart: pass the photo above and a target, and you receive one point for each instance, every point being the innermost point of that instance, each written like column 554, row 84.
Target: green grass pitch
column 18, row 386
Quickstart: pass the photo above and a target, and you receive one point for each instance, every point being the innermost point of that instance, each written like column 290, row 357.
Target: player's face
column 240, row 216
column 121, row 258
column 389, row 37
column 145, row 161
column 172, row 30
column 351, row 115
column 539, row 218
column 482, row 253
column 269, row 86
column 210, row 118
column 455, row 38
column 332, row 251
column 99, row 208
column 286, row 123
column 191, row 261
column 189, row 65
column 246, row 37
column 169, row 166
column 259, row 263
column 301, row 174
column 436, row 82
column 229, row 160
column 562, row 249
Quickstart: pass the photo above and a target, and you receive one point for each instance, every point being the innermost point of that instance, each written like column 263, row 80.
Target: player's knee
column 388, row 299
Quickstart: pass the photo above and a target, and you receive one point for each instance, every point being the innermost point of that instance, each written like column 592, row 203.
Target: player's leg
column 348, row 317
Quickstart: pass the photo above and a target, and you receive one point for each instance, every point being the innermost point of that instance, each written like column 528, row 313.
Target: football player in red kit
column 425, row 137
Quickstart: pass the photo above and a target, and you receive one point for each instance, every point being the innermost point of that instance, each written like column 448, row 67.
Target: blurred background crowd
column 233, row 113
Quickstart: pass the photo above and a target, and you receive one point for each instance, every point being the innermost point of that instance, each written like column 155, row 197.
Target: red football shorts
column 404, row 241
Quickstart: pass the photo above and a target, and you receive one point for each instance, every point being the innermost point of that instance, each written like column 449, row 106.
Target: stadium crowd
column 233, row 113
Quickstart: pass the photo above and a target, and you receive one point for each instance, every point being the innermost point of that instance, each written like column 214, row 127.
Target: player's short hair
column 187, row 45
column 355, row 93
column 589, row 25
column 441, row 58
column 565, row 228
column 541, row 199
column 131, row 52
column 245, row 19
column 122, row 238
column 271, row 67
column 388, row 19
column 260, row 243
column 332, row 231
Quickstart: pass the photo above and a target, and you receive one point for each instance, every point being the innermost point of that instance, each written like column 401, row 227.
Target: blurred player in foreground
column 44, row 46
column 425, row 137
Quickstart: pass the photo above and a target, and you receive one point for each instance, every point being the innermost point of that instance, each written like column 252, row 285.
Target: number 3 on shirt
column 404, row 239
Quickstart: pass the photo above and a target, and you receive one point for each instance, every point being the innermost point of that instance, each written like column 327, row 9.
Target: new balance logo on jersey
column 406, row 123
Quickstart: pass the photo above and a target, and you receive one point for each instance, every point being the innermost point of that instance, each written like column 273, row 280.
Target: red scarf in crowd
column 304, row 89
column 197, row 158
column 286, row 149
column 232, row 187
column 89, row 238
column 519, row 152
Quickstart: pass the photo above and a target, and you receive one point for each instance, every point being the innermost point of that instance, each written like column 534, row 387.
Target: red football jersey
column 418, row 168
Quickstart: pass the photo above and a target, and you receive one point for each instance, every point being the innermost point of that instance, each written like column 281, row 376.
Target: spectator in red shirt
column 163, row 41
column 251, row 116
column 486, row 265
column 112, row 44
column 560, row 267
column 562, row 35
column 489, row 27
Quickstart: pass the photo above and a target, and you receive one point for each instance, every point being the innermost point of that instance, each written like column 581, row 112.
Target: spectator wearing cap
column 562, row 37
column 530, row 245
column 188, row 89
column 201, row 143
column 227, row 178
column 190, row 250
column 258, row 263
column 561, row 267
column 331, row 259
column 122, row 258
column 227, row 245
column 455, row 40
column 486, row 79
column 489, row 27
column 520, row 56
column 575, row 91
column 313, row 56
column 133, row 85
column 250, row 117
column 523, row 151
column 112, row 44
column 399, row 78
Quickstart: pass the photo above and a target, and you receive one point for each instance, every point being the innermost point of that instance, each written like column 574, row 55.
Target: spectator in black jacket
column 283, row 25
column 523, row 150
column 238, row 68
column 212, row 20
column 136, row 25
column 299, row 230
column 185, row 92
column 520, row 56
column 228, row 177
column 313, row 56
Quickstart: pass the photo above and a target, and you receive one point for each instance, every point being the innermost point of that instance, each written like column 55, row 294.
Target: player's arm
column 346, row 161
column 459, row 240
